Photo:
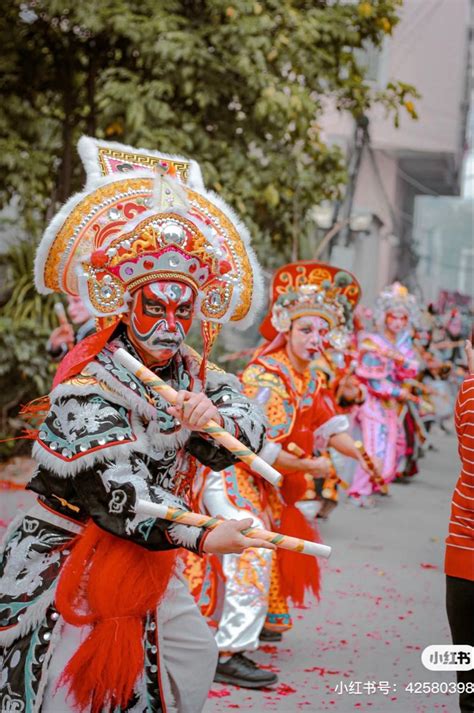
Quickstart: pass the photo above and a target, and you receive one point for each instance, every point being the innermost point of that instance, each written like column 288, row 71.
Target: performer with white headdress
column 94, row 614
column 386, row 359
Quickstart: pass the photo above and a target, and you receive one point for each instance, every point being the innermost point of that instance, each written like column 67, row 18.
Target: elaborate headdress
column 145, row 216
column 396, row 298
column 312, row 288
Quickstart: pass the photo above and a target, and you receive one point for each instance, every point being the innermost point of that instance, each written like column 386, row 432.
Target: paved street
column 382, row 603
column 16, row 472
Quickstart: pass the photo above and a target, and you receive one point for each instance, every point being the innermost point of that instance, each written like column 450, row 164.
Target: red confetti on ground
column 268, row 649
column 285, row 690
column 222, row 693
column 322, row 671
column 427, row 565
column 270, row 667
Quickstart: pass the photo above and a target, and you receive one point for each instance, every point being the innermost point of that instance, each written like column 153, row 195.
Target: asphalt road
column 382, row 603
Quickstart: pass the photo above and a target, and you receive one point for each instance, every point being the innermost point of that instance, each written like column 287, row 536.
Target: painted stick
column 420, row 429
column 68, row 337
column 375, row 477
column 60, row 313
column 166, row 512
column 299, row 453
column 219, row 434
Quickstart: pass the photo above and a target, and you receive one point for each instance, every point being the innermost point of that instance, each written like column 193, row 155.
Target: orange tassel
column 34, row 413
column 109, row 584
column 28, row 434
column 9, row 485
column 37, row 406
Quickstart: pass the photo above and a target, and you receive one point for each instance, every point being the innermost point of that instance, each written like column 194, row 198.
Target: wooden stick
column 374, row 477
column 60, row 313
column 219, row 434
column 299, row 453
column 166, row 512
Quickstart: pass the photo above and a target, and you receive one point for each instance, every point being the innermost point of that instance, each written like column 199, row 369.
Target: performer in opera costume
column 386, row 359
column 311, row 305
column 343, row 392
column 94, row 612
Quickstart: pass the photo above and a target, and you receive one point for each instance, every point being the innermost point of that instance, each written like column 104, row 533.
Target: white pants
column 188, row 656
column 245, row 600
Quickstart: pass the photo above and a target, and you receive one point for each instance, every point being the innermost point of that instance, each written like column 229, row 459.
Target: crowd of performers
column 103, row 607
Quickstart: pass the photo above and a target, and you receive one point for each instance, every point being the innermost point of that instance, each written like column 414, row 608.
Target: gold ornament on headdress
column 134, row 227
column 311, row 288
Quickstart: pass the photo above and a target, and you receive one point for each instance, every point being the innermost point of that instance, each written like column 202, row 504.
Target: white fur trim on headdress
column 88, row 148
column 56, row 223
column 258, row 284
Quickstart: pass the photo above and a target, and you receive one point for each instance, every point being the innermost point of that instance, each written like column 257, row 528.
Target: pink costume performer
column 386, row 359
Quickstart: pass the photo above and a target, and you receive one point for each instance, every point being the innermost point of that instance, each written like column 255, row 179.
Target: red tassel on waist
column 298, row 573
column 109, row 584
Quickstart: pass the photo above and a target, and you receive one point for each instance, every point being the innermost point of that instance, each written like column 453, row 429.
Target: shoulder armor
column 256, row 375
column 80, row 430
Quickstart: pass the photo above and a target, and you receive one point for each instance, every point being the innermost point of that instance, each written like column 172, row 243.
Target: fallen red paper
column 221, row 693
column 285, row 690
column 322, row 671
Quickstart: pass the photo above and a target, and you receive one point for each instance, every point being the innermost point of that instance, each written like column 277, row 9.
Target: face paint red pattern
column 161, row 316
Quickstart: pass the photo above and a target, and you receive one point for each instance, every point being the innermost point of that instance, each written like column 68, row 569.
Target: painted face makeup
column 307, row 336
column 396, row 321
column 160, row 318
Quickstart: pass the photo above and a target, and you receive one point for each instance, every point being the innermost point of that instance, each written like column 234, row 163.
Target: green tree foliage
column 237, row 85
column 18, row 298
column 27, row 319
column 26, row 372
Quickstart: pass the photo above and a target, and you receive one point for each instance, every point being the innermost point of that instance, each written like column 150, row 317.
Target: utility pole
column 342, row 211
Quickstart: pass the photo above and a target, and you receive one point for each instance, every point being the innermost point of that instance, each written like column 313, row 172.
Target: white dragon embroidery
column 80, row 418
column 23, row 573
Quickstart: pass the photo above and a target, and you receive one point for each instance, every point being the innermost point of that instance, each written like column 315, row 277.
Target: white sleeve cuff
column 270, row 452
column 336, row 424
